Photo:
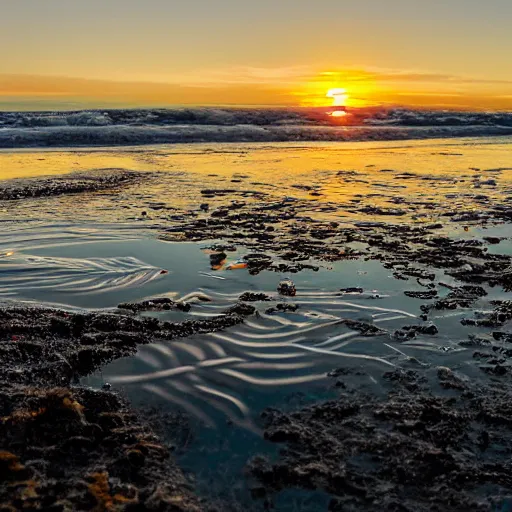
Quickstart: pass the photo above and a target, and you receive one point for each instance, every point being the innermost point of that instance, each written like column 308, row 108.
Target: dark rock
column 218, row 259
column 254, row 297
column 241, row 308
column 282, row 308
column 411, row 450
column 352, row 290
column 422, row 295
column 287, row 287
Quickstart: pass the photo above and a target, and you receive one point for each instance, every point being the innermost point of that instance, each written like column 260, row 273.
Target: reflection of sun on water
column 339, row 99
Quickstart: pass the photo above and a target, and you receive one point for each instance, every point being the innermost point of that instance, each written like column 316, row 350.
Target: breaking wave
column 186, row 125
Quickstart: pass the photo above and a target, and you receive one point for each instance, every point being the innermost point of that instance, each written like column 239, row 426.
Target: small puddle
column 219, row 383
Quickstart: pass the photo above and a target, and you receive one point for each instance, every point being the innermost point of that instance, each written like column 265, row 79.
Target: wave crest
column 185, row 125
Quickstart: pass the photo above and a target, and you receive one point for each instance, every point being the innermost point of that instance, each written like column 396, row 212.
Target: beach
column 267, row 324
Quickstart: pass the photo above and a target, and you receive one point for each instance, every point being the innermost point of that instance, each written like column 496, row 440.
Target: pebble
column 287, row 287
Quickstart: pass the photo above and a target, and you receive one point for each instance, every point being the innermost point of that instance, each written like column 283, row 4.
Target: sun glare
column 339, row 113
column 339, row 97
column 336, row 89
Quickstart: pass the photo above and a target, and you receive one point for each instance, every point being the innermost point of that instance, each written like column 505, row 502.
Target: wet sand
column 160, row 278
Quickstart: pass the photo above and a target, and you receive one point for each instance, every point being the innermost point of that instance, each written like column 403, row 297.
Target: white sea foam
column 131, row 127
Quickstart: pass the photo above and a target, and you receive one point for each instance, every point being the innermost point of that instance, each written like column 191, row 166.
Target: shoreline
column 440, row 237
column 120, row 136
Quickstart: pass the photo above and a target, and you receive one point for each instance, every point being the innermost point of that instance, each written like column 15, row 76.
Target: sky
column 100, row 53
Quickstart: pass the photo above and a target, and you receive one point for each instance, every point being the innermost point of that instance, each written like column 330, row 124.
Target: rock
column 254, row 297
column 241, row 308
column 451, row 380
column 282, row 308
column 493, row 240
column 352, row 290
column 218, row 259
column 412, row 449
column 156, row 304
column 409, row 332
column 503, row 336
column 422, row 295
column 287, row 288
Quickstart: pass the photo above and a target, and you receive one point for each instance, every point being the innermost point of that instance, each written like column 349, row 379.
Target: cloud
column 389, row 75
column 248, row 85
column 238, row 75
column 139, row 93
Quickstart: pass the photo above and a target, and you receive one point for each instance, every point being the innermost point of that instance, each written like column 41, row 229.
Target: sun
column 336, row 90
column 341, row 89
column 339, row 97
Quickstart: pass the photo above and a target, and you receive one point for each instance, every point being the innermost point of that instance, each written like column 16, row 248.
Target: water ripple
column 23, row 272
column 268, row 352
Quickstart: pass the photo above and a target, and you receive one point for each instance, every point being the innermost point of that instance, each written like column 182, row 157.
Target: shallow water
column 97, row 250
column 443, row 171
column 223, row 380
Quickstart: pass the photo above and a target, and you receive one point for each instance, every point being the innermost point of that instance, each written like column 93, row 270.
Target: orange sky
column 260, row 86
column 75, row 54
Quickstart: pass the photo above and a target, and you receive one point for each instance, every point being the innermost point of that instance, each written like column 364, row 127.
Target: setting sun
column 339, row 97
column 337, row 88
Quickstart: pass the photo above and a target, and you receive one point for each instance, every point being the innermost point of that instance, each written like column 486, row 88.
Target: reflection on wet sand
column 408, row 181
